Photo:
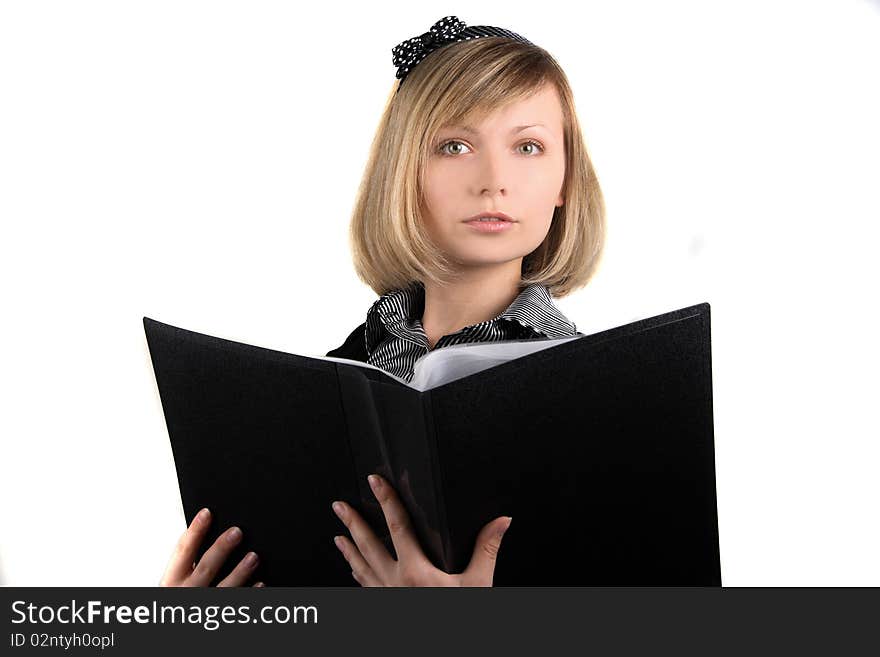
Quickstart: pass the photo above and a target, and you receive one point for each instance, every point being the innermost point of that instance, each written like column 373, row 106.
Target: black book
column 600, row 447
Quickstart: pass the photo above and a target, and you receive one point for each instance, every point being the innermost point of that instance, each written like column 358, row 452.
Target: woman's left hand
column 372, row 565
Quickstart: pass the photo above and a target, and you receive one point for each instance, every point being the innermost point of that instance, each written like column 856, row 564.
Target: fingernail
column 338, row 541
column 338, row 509
column 505, row 526
column 251, row 559
column 233, row 535
column 375, row 483
column 203, row 515
column 259, row 585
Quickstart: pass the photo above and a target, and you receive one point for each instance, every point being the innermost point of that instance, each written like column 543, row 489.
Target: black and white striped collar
column 399, row 312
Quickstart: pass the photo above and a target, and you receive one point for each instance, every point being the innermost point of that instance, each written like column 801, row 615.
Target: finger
column 365, row 581
column 213, row 559
column 259, row 585
column 405, row 543
column 242, row 572
column 481, row 569
column 179, row 567
column 369, row 545
column 360, row 569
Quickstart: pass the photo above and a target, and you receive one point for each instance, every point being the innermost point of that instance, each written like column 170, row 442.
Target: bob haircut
column 458, row 83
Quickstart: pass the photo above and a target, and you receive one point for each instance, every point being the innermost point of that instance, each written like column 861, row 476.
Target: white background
column 196, row 162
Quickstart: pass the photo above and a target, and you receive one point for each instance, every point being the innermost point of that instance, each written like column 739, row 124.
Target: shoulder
column 354, row 346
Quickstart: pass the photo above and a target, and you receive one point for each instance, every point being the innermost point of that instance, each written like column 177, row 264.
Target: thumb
column 481, row 568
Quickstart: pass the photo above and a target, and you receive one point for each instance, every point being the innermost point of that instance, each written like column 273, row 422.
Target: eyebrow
column 519, row 128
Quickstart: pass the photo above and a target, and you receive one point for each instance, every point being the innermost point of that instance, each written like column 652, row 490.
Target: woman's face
column 514, row 163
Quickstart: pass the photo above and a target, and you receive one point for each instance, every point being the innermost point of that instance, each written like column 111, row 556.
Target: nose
column 491, row 191
column 491, row 178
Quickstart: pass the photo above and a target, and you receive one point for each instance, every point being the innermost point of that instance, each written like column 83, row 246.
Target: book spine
column 390, row 435
column 432, row 447
column 407, row 437
column 366, row 441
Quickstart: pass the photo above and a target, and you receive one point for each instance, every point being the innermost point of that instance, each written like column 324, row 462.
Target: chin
column 487, row 256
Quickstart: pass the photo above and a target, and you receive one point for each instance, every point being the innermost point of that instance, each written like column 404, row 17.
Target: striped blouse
column 395, row 337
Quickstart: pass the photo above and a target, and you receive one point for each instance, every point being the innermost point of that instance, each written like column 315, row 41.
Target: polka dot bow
column 409, row 53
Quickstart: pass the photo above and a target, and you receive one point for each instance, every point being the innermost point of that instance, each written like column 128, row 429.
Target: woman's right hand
column 182, row 569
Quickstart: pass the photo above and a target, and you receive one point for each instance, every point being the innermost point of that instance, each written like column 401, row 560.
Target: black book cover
column 601, row 448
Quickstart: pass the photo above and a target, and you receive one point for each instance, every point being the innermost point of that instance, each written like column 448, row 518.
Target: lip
column 501, row 223
column 498, row 215
column 491, row 226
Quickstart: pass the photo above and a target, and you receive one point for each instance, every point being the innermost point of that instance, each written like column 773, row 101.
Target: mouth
column 486, row 217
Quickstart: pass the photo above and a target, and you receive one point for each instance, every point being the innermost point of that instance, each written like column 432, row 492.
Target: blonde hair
column 458, row 83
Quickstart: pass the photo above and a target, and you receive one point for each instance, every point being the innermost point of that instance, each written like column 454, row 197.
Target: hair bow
column 407, row 54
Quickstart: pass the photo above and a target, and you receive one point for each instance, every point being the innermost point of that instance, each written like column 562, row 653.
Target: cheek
column 542, row 178
column 435, row 196
column 538, row 228
column 542, row 192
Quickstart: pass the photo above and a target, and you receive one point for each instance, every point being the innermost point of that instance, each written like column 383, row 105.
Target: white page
column 446, row 364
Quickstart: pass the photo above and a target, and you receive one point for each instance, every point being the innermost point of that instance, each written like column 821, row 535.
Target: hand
column 182, row 570
column 373, row 566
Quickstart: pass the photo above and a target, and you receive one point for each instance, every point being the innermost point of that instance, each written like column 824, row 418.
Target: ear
column 560, row 201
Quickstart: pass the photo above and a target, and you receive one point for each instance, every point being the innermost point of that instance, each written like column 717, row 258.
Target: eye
column 456, row 147
column 457, row 150
column 534, row 147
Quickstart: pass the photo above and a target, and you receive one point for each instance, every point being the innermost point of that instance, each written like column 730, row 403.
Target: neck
column 477, row 295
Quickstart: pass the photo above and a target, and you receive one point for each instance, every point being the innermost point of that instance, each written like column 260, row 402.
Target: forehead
column 541, row 107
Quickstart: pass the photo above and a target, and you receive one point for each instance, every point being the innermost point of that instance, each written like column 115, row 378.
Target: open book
column 441, row 366
column 599, row 446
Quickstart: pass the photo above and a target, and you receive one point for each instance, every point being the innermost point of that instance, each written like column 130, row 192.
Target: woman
column 479, row 204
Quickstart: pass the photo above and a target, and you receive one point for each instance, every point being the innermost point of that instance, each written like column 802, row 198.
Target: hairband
column 447, row 30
